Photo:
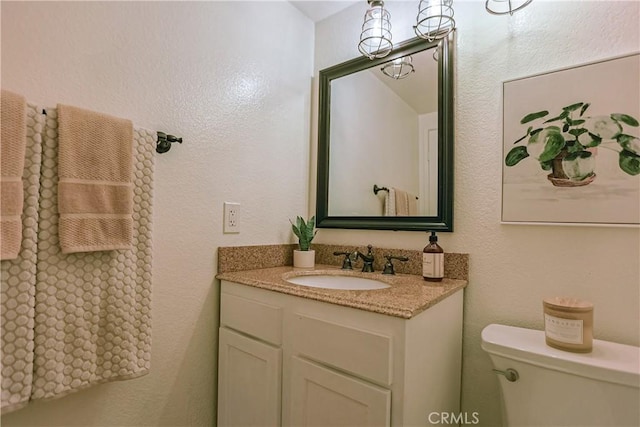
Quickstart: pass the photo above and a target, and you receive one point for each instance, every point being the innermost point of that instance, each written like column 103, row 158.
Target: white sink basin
column 337, row 282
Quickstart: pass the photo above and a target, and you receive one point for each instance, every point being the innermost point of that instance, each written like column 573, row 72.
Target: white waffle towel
column 93, row 310
column 19, row 280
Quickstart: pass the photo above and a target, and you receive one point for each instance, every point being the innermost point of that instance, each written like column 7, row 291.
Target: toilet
column 543, row 386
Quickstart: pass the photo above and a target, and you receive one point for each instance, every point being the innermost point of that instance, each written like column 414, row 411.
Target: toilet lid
column 611, row 362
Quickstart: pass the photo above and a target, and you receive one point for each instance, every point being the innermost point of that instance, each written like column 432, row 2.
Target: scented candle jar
column 568, row 324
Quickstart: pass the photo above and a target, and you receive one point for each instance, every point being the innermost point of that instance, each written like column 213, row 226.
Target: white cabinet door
column 249, row 381
column 324, row 397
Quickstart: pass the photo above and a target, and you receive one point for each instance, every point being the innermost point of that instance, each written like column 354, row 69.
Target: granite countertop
column 407, row 296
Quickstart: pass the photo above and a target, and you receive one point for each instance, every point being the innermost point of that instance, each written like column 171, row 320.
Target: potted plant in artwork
column 565, row 144
column 304, row 257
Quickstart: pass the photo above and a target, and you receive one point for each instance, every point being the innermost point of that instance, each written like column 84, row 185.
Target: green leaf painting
column 584, row 108
column 573, row 107
column 577, row 132
column 571, row 145
column 553, row 147
column 515, row 155
column 571, row 136
column 533, row 116
column 578, row 155
column 627, row 120
column 562, row 116
column 629, row 162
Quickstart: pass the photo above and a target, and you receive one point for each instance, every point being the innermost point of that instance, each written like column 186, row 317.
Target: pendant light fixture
column 435, row 19
column 399, row 68
column 502, row 7
column 375, row 39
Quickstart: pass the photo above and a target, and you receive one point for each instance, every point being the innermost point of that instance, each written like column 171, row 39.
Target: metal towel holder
column 164, row 142
column 377, row 189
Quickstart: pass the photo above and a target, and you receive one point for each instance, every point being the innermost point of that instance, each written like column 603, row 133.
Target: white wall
column 234, row 80
column 512, row 267
column 374, row 140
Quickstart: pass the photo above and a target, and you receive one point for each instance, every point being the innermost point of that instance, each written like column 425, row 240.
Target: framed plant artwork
column 571, row 146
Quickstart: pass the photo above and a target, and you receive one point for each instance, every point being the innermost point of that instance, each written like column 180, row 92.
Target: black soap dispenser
column 433, row 260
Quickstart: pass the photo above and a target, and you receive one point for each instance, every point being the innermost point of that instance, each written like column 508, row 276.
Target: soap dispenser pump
column 433, row 260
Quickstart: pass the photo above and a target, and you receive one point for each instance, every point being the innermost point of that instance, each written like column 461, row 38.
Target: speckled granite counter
column 407, row 295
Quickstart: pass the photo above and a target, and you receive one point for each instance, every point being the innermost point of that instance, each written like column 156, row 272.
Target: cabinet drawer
column 363, row 353
column 251, row 317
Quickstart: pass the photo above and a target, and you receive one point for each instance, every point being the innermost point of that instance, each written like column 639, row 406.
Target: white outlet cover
column 231, row 220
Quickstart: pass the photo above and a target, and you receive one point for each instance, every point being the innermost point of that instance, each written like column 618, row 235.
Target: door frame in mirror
column 443, row 221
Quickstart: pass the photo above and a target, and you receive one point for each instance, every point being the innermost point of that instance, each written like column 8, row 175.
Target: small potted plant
column 304, row 257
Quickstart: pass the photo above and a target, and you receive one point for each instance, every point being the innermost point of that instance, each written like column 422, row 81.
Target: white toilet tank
column 559, row 388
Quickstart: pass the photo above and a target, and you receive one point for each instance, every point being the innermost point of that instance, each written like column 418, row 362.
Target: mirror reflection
column 385, row 140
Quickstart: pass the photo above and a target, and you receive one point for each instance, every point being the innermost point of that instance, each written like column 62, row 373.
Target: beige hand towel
column 390, row 203
column 406, row 203
column 95, row 192
column 13, row 141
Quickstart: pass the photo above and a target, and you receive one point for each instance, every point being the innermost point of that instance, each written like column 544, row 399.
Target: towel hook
column 165, row 141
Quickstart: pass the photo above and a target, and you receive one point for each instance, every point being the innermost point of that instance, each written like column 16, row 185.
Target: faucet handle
column 346, row 263
column 388, row 267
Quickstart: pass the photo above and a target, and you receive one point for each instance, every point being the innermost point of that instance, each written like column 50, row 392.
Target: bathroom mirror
column 382, row 138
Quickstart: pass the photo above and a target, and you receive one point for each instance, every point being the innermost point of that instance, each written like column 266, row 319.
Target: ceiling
column 319, row 10
column 419, row 90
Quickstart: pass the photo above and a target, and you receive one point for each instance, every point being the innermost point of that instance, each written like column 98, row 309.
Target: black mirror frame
column 443, row 221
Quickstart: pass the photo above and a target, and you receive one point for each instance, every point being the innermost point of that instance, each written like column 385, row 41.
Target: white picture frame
column 571, row 146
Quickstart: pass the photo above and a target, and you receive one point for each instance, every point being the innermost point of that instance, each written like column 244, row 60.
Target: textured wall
column 512, row 267
column 238, row 92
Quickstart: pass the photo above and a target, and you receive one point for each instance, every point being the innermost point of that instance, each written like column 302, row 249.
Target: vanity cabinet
column 294, row 361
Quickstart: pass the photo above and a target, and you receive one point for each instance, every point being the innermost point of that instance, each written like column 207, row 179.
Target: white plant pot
column 304, row 259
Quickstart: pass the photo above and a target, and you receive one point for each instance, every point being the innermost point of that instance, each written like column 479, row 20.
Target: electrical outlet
column 231, row 217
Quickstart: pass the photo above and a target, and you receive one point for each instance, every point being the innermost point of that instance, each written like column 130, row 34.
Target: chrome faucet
column 368, row 260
